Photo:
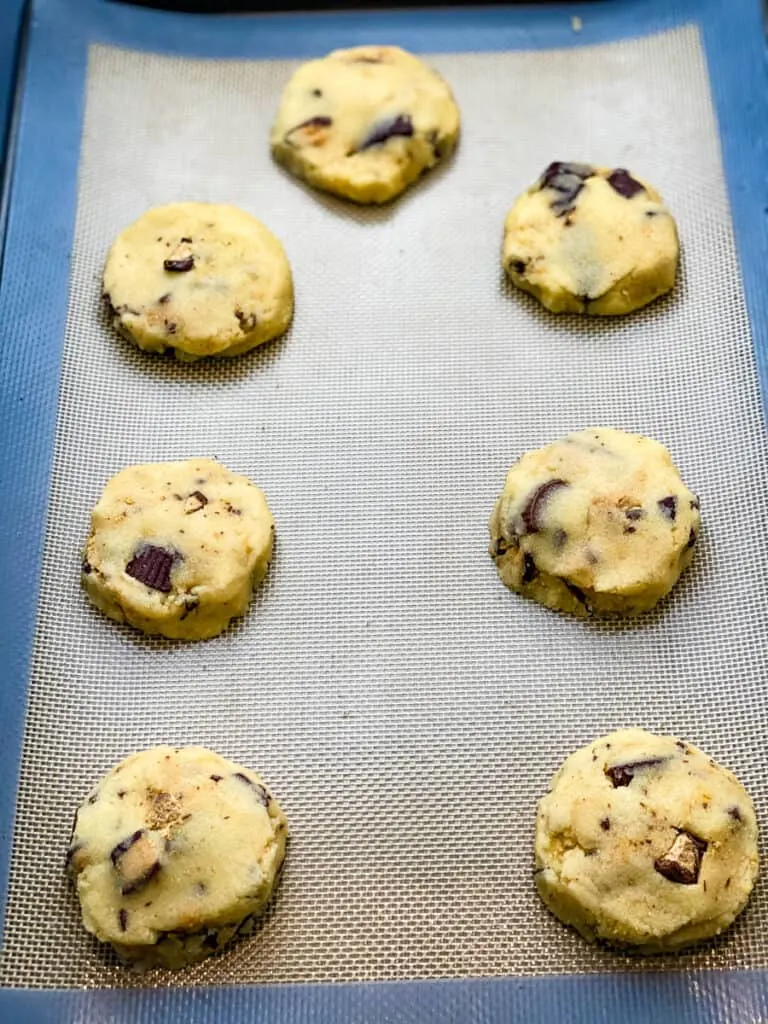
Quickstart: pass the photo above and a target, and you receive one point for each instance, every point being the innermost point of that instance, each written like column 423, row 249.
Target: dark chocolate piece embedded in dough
column 152, row 566
column 622, row 774
column 682, row 861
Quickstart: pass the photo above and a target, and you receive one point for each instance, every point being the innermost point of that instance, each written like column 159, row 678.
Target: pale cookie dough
column 364, row 123
column 590, row 240
column 597, row 523
column 174, row 853
column 645, row 841
column 177, row 547
column 200, row 279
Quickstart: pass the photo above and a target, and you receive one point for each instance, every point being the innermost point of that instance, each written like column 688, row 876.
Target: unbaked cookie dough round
column 645, row 841
column 175, row 852
column 364, row 123
column 177, row 547
column 589, row 239
column 198, row 278
column 599, row 523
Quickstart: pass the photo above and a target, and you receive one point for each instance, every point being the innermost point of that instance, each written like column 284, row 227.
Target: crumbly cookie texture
column 175, row 852
column 200, row 279
column 176, row 548
column 644, row 841
column 364, row 123
column 589, row 239
column 599, row 523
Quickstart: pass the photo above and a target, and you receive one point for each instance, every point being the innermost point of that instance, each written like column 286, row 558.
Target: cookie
column 599, row 523
column 175, row 852
column 645, row 841
column 589, row 239
column 177, row 547
column 364, row 123
column 199, row 279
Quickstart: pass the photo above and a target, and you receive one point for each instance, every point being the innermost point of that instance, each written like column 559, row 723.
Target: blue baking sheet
column 33, row 303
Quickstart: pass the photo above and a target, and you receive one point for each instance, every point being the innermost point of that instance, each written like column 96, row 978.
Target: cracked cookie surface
column 588, row 239
column 598, row 523
column 364, row 123
column 645, row 841
column 200, row 279
column 175, row 852
column 176, row 548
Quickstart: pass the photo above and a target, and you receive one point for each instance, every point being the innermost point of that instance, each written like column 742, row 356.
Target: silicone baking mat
column 406, row 709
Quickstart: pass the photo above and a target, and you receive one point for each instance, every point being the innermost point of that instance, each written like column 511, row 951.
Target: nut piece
column 682, row 861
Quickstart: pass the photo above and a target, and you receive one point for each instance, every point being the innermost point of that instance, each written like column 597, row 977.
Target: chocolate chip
column 194, row 503
column 621, row 181
column 261, row 793
column 568, row 180
column 217, row 778
column 695, row 504
column 605, row 824
column 247, row 321
column 211, row 940
column 87, row 568
column 500, row 547
column 164, row 298
column 188, row 241
column 152, row 566
column 122, row 918
column 559, row 538
column 622, row 774
column 179, row 266
column 170, row 326
column 74, row 848
column 93, row 798
column 635, row 513
column 691, row 538
column 682, row 861
column 735, row 813
column 531, row 515
column 630, row 529
column 191, row 604
column 668, row 507
column 121, row 793
column 317, row 92
column 518, row 266
column 400, row 125
column 530, row 572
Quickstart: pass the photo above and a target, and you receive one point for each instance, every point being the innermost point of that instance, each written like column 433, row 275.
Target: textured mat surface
column 407, row 710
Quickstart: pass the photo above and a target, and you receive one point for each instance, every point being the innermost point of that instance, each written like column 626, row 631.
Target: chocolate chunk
column 622, row 774
column 559, row 537
column 217, row 778
column 170, row 326
column 630, row 529
column 695, row 504
column 577, row 592
column 518, row 266
column 530, row 572
column 311, row 132
column 77, row 847
column 501, row 547
column 682, row 861
column 568, row 180
column 164, row 298
column 400, row 125
column 191, row 604
column 635, row 513
column 668, row 507
column 194, row 503
column 87, row 568
column 261, row 793
column 531, row 515
column 317, row 92
column 179, row 266
column 735, row 813
column 691, row 538
column 211, row 940
column 152, row 566
column 135, row 861
column 247, row 321
column 605, row 824
column 122, row 917
column 621, row 181
column 187, row 240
